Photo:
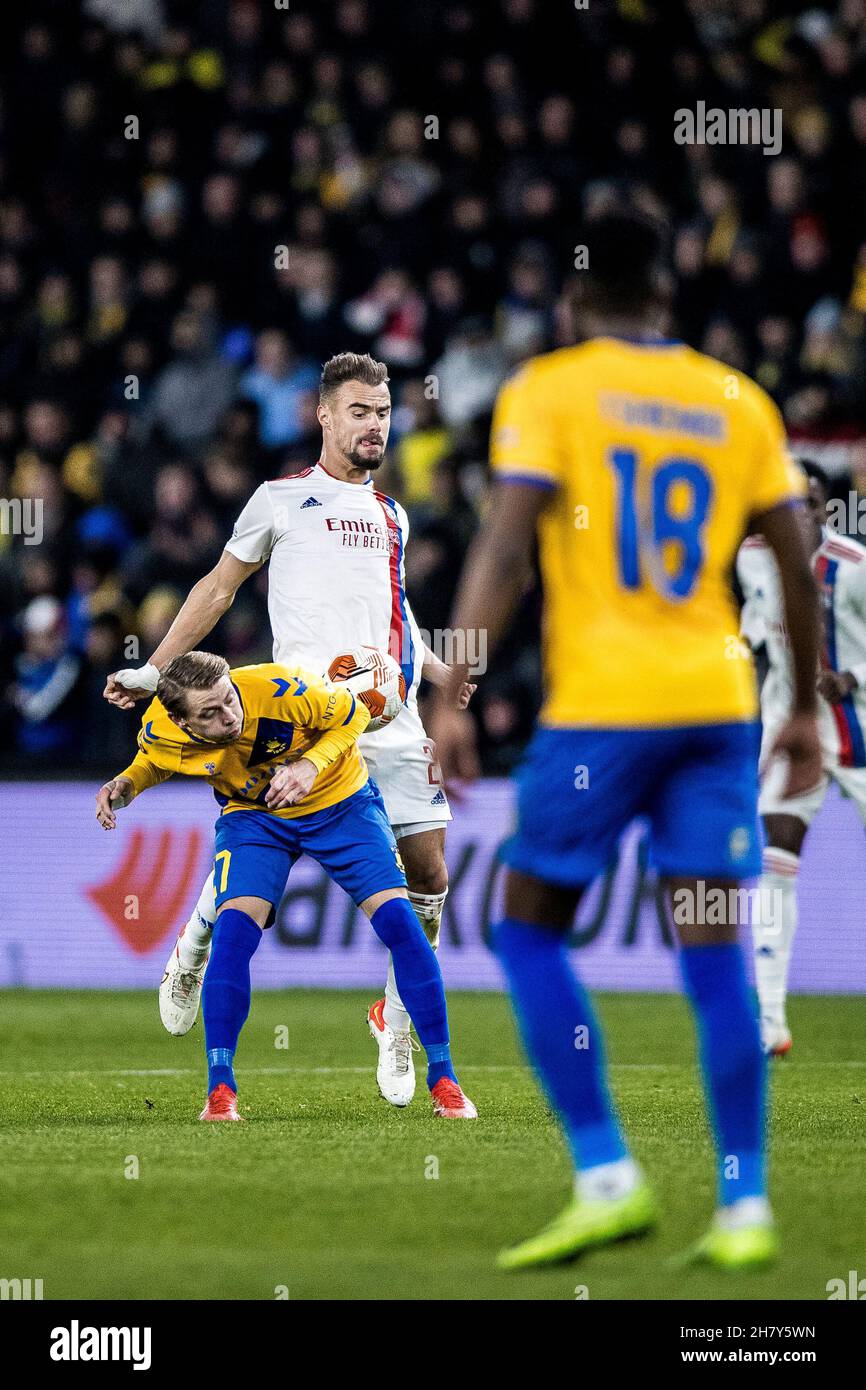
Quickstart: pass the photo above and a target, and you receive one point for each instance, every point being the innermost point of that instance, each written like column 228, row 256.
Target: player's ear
column 323, row 415
column 177, row 719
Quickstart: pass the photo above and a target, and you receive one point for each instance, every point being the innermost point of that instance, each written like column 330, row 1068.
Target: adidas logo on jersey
column 438, row 799
column 311, row 502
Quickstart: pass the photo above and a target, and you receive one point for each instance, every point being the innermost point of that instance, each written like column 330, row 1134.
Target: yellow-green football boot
column 583, row 1224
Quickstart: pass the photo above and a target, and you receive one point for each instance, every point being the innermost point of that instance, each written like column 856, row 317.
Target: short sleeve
column 253, row 536
column 523, row 443
column 777, row 479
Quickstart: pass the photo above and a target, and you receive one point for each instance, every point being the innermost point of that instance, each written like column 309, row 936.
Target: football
column 374, row 678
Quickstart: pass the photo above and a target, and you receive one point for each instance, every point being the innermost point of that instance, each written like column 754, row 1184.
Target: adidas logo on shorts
column 438, row 799
column 311, row 502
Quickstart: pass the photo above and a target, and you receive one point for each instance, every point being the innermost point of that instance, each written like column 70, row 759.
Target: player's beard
column 362, row 461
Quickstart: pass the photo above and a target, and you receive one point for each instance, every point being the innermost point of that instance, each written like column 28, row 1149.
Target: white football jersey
column 839, row 566
column 337, row 571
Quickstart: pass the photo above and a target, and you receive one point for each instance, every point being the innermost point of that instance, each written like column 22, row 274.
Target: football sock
column 733, row 1065
column 562, row 1038
column 419, row 980
column 607, row 1180
column 774, row 923
column 194, row 941
column 428, row 909
column 226, row 992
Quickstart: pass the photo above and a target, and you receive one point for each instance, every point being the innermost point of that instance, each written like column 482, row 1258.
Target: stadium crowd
column 199, row 203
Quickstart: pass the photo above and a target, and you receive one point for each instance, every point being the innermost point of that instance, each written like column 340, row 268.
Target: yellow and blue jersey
column 656, row 458
column 288, row 713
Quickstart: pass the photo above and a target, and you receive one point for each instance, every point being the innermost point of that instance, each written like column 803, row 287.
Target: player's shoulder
column 158, row 729
column 738, row 392
column 266, row 681
column 844, row 549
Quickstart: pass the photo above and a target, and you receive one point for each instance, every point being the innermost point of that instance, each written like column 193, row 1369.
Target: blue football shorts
column 352, row 841
column 697, row 786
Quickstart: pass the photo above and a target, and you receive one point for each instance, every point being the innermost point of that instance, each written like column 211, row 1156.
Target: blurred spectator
column 276, row 383
column 45, row 692
column 193, row 391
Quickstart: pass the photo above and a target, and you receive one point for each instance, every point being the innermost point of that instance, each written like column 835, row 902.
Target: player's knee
column 430, row 877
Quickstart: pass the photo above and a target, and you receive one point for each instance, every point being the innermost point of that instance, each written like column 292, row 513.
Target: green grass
column 324, row 1191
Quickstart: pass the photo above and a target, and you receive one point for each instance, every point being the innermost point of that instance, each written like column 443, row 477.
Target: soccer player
column 335, row 548
column 839, row 566
column 279, row 747
column 640, row 464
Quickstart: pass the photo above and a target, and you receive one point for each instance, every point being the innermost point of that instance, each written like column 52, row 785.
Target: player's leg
column 355, row 845
column 254, row 853
column 577, row 790
column 180, row 990
column 227, row 995
column 705, row 842
column 774, row 924
column 403, row 768
column 422, row 851
column 774, row 916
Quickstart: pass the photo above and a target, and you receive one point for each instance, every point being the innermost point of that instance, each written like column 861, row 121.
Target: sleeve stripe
column 527, row 480
column 351, row 715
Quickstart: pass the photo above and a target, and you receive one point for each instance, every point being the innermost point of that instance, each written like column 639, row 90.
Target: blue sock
column 226, row 992
column 419, row 981
column 733, row 1065
column 551, row 1005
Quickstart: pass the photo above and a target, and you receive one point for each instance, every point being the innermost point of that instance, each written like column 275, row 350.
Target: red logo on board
column 145, row 897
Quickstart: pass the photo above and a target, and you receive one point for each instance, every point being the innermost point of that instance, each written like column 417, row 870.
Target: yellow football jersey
column 656, row 458
column 288, row 714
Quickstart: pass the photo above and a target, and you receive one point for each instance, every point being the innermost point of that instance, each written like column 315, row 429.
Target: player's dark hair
column 192, row 671
column 626, row 271
column 351, row 366
column 814, row 470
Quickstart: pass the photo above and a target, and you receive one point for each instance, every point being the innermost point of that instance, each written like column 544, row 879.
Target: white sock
column 774, row 923
column 428, row 909
column 608, row 1180
column 748, row 1211
column 195, row 938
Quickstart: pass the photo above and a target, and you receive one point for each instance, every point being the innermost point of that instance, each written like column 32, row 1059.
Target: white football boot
column 775, row 1036
column 395, row 1072
column 180, row 995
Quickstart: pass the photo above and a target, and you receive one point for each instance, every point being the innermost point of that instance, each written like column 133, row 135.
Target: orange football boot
column 450, row 1102
column 222, row 1104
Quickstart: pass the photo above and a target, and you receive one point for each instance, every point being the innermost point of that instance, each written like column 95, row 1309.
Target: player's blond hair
column 351, row 366
column 192, row 671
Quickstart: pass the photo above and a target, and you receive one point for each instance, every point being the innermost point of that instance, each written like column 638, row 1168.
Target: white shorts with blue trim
column 402, row 763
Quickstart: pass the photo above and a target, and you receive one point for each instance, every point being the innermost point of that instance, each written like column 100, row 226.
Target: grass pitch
column 326, row 1192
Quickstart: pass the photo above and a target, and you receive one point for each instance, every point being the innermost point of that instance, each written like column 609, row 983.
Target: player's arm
column 205, row 604
column 798, row 738
column 341, row 717
column 438, row 673
column 122, row 789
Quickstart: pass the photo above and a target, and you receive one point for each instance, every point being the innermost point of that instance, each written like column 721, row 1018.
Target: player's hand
column 453, row 733
column 290, row 784
column 835, row 685
column 112, row 797
column 123, row 690
column 797, row 741
column 465, row 693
